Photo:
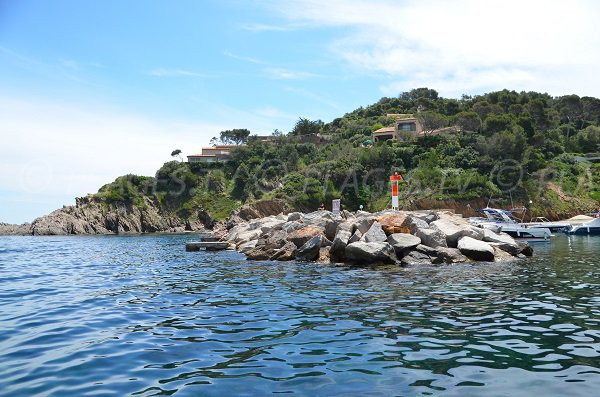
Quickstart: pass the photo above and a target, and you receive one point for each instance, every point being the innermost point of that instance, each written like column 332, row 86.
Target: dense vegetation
column 528, row 146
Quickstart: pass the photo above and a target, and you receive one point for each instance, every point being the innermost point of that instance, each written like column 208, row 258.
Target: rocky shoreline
column 363, row 238
column 91, row 216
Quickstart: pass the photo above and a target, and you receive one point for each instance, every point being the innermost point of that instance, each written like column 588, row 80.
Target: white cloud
column 243, row 58
column 50, row 149
column 463, row 46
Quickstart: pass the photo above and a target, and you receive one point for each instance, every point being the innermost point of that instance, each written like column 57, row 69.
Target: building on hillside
column 211, row 154
column 405, row 125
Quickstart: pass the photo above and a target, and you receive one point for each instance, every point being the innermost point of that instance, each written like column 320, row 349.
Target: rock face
column 7, row 229
column 310, row 250
column 403, row 242
column 364, row 238
column 431, row 237
column 92, row 216
column 366, row 253
column 374, row 234
column 476, row 249
column 301, row 236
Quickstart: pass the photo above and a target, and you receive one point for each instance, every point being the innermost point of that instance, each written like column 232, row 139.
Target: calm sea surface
column 115, row 316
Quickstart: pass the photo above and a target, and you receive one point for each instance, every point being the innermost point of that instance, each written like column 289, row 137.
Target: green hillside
column 513, row 147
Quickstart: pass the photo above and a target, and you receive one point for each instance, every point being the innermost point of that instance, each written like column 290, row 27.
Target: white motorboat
column 503, row 221
column 583, row 224
column 542, row 222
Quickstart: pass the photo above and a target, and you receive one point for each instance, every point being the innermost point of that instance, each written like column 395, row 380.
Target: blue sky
column 94, row 90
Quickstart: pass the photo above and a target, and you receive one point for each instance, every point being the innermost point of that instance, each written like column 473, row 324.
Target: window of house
column 407, row 126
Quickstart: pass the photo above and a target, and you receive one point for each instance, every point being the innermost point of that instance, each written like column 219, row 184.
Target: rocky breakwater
column 389, row 237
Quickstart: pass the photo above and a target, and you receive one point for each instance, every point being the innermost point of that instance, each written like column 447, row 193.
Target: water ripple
column 138, row 316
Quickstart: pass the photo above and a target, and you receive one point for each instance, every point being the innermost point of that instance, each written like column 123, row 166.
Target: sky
column 90, row 90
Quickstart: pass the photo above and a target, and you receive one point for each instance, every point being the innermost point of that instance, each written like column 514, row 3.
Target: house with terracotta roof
column 211, row 154
column 405, row 125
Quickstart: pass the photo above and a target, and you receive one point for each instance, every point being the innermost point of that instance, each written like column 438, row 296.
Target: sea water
column 137, row 315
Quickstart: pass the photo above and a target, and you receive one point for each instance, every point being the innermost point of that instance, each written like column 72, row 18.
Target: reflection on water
column 138, row 315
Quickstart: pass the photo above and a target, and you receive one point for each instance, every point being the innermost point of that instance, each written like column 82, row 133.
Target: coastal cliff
column 91, row 216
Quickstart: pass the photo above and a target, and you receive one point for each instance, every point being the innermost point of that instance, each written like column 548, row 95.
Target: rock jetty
column 363, row 238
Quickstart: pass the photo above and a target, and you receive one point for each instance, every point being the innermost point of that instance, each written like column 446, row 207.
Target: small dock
column 208, row 242
column 207, row 245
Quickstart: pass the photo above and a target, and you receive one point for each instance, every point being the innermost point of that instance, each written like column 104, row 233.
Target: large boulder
column 356, row 236
column 301, row 236
column 290, row 226
column 476, row 249
column 260, row 253
column 365, row 253
column 403, row 242
column 525, row 248
column 318, row 218
column 295, row 217
column 331, row 228
column 374, row 234
column 285, row 253
column 502, row 240
column 442, row 254
column 247, row 246
column 501, row 255
column 274, row 240
column 339, row 244
column 363, row 224
column 431, row 237
column 414, row 224
column 245, row 236
column 426, row 216
column 324, row 255
column 393, row 222
column 310, row 250
column 454, row 232
column 416, row 258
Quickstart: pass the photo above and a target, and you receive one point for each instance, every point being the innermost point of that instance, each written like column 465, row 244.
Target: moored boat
column 502, row 221
column 584, row 225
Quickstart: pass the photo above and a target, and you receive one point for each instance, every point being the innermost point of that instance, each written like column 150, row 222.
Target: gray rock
column 416, row 258
column 301, row 236
column 374, row 234
column 526, row 249
column 416, row 224
column 324, row 255
column 260, row 253
column 274, row 240
column 247, row 246
column 347, row 226
column 310, row 250
column 491, row 237
column 501, row 255
column 356, row 236
column 476, row 249
column 331, row 228
column 366, row 253
column 431, row 237
column 289, row 227
column 451, row 255
column 403, row 242
column 363, row 224
column 285, row 253
column 295, row 216
column 339, row 244
column 318, row 218
column 454, row 232
column 501, row 240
